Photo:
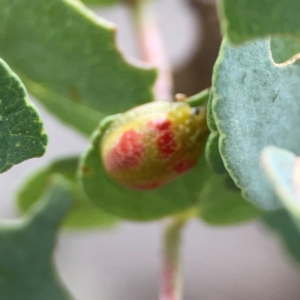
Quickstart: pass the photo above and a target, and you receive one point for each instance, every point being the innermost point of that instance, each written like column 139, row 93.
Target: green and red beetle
column 149, row 145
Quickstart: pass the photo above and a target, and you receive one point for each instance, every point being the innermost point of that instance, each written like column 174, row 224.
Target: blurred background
column 242, row 262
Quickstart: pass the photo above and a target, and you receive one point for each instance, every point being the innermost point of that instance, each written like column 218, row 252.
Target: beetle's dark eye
column 195, row 110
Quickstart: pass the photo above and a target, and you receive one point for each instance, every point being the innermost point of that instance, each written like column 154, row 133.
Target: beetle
column 152, row 144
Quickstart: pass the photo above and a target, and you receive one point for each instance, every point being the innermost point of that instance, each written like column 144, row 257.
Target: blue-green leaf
column 222, row 205
column 22, row 135
column 255, row 104
column 251, row 19
column 26, row 248
column 70, row 56
column 282, row 168
column 283, row 225
column 84, row 214
column 283, row 49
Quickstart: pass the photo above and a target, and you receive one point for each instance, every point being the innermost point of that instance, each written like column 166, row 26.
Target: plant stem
column 151, row 46
column 171, row 281
column 152, row 51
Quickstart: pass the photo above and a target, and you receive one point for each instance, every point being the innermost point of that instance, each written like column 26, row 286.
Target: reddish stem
column 152, row 48
column 171, row 287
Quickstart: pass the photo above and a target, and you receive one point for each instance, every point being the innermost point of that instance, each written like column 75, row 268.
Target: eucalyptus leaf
column 64, row 47
column 175, row 197
column 220, row 205
column 22, row 135
column 212, row 154
column 199, row 99
column 26, row 250
column 282, row 225
column 84, row 215
column 255, row 104
column 80, row 117
column 220, row 201
column 282, row 168
column 102, row 2
column 250, row 19
column 284, row 49
column 210, row 117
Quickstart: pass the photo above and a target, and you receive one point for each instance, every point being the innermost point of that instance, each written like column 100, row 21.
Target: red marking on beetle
column 183, row 165
column 127, row 153
column 166, row 141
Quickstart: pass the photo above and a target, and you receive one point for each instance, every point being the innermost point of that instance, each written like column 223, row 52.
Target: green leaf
column 26, row 251
column 283, row 49
column 177, row 196
column 212, row 154
column 199, row 99
column 21, row 130
column 71, row 52
column 282, row 224
column 84, row 215
column 101, row 2
column 283, row 171
column 250, row 19
column 220, row 205
column 220, row 201
column 80, row 117
column 255, row 104
column 210, row 118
